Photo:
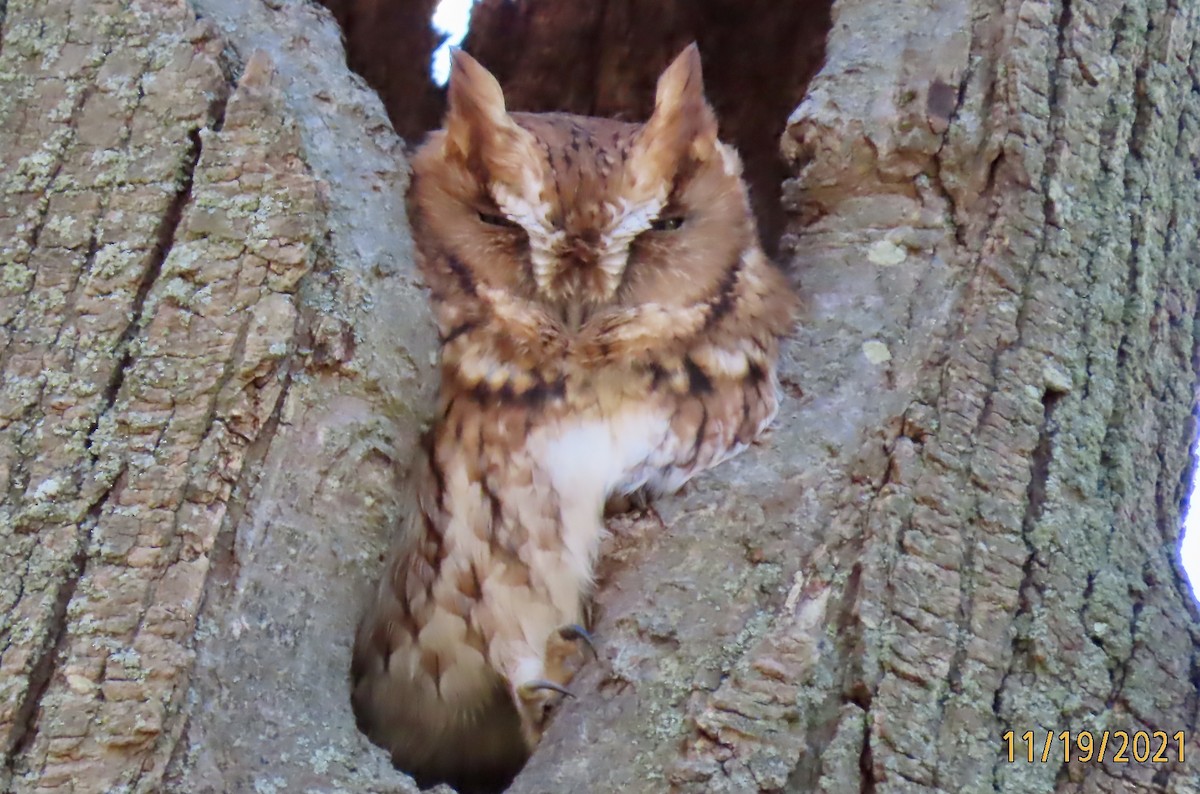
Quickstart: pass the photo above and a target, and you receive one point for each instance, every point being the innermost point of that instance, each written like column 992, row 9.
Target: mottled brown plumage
column 609, row 323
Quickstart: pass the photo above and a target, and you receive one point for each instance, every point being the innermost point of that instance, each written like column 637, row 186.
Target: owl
column 609, row 324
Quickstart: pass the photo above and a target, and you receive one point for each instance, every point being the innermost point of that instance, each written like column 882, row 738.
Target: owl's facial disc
column 580, row 214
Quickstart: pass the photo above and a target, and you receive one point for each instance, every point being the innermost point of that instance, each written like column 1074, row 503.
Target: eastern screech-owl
column 608, row 323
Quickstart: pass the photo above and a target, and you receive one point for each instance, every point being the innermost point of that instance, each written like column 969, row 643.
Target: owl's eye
column 498, row 220
column 666, row 224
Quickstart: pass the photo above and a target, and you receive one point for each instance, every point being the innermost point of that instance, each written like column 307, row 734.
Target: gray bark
column 205, row 406
column 216, row 358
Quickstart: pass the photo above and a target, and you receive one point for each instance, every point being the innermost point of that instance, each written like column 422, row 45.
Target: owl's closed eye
column 580, row 216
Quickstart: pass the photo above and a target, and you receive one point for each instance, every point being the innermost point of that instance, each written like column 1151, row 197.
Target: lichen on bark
column 160, row 224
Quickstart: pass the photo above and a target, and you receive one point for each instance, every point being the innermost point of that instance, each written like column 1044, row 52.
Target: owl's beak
column 574, row 316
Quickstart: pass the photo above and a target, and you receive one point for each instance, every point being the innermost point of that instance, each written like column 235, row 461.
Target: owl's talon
column 619, row 504
column 576, row 633
column 528, row 689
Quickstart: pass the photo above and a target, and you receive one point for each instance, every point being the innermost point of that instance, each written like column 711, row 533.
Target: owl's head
column 582, row 214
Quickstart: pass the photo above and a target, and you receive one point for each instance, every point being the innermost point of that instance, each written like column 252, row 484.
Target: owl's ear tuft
column 477, row 118
column 683, row 125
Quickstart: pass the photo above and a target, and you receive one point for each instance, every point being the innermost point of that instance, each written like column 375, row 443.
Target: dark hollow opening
column 602, row 58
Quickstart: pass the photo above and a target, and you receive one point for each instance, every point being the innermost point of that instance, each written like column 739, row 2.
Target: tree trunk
column 216, row 359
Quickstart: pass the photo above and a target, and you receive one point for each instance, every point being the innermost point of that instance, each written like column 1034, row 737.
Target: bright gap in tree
column 452, row 17
column 1189, row 547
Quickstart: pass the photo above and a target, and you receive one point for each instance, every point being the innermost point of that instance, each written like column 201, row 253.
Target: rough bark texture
column 206, row 295
column 216, row 358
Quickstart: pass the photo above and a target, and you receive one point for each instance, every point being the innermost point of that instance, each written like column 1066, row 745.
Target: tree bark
column 205, row 408
column 216, row 358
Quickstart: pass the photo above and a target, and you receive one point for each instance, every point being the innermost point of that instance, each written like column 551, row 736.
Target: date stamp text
column 1120, row 747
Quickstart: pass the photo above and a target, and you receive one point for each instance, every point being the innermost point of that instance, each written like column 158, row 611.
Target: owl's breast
column 589, row 457
column 592, row 457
